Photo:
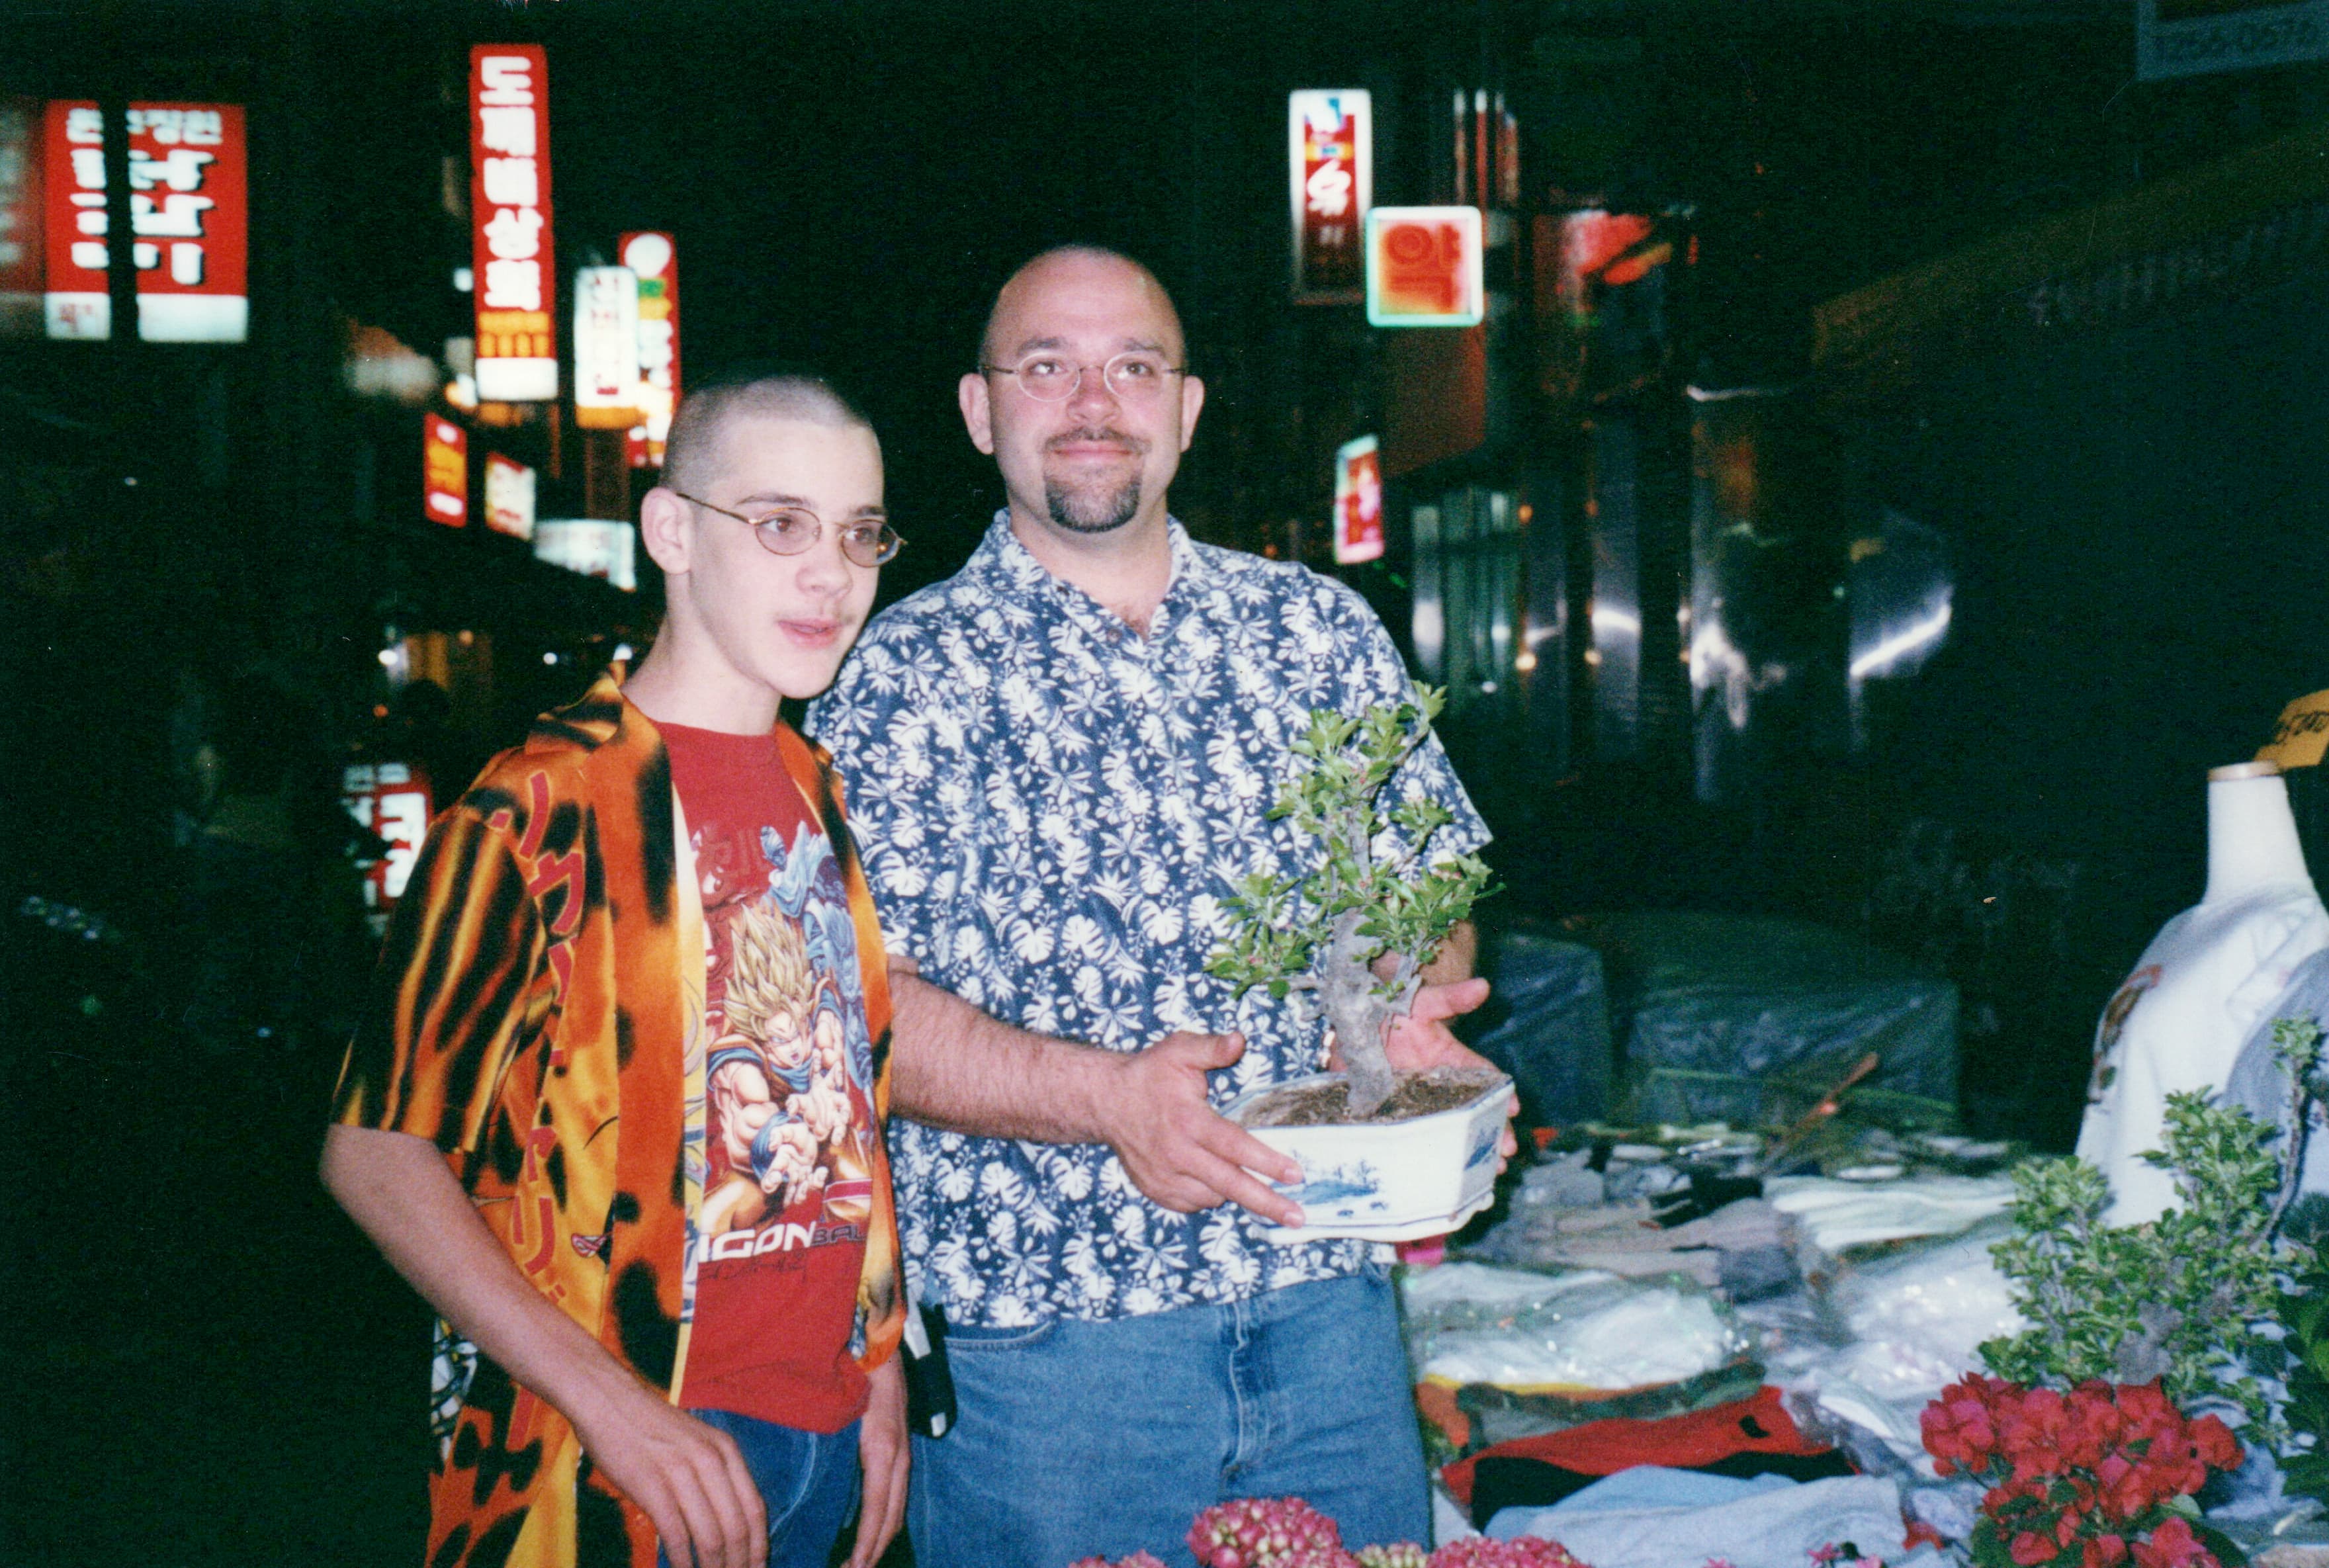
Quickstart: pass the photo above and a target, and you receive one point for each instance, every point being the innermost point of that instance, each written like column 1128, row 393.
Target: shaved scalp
column 988, row 348
column 692, row 449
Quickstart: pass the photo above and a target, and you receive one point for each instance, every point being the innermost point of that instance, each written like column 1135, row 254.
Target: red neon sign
column 516, row 282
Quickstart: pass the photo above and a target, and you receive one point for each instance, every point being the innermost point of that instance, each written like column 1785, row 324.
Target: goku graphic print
column 787, row 1081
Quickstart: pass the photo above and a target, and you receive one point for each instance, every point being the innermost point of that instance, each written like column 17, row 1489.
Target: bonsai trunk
column 1361, row 1020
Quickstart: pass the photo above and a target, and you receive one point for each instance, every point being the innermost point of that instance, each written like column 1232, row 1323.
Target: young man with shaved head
column 1063, row 761
column 616, row 1105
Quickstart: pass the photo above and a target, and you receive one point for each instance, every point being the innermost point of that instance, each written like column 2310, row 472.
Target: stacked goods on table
column 1966, row 1353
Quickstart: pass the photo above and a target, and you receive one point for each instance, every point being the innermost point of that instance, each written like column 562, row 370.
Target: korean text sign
column 189, row 222
column 392, row 800
column 517, row 278
column 1424, row 267
column 606, row 348
column 444, row 471
column 654, row 257
column 1330, row 162
column 509, row 496
column 1358, row 502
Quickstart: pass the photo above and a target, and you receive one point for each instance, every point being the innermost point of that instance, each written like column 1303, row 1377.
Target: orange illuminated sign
column 1423, row 266
column 516, row 280
column 444, row 471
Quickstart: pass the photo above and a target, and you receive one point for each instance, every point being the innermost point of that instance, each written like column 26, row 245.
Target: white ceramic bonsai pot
column 1389, row 1181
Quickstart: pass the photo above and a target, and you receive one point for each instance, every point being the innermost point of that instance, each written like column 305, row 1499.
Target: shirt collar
column 1010, row 564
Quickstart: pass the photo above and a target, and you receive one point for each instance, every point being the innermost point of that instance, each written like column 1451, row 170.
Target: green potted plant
column 1384, row 1153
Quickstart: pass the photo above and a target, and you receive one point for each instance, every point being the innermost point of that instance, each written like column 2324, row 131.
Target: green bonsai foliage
column 2181, row 1298
column 2305, row 1315
column 1326, row 931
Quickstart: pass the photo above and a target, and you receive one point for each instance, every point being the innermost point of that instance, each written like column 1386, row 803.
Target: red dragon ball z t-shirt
column 789, row 1087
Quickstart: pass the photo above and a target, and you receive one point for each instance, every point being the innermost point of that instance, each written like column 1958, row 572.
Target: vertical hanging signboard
column 1358, row 502
column 189, row 222
column 392, row 800
column 1330, row 165
column 606, row 349
column 655, row 258
column 509, row 496
column 444, row 471
column 516, row 282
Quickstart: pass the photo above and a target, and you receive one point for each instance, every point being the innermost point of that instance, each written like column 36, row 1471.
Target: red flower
column 2103, row 1551
column 2126, row 1488
column 2213, row 1441
column 1958, row 1428
column 2030, row 1549
column 2174, row 1545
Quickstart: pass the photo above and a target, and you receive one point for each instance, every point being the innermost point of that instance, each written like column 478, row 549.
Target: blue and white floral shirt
column 1052, row 810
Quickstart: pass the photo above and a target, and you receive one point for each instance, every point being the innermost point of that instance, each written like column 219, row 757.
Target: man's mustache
column 1132, row 444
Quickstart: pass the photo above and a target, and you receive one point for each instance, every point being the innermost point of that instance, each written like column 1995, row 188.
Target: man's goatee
column 1073, row 512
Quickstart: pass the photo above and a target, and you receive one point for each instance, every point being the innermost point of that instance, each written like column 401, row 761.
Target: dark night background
column 211, row 1367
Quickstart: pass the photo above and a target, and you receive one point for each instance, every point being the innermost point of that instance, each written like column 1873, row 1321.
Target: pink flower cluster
column 1288, row 1532
column 2090, row 1478
column 1266, row 1533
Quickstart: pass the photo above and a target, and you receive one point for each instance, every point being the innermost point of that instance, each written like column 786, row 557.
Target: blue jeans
column 808, row 1479
column 1079, row 1438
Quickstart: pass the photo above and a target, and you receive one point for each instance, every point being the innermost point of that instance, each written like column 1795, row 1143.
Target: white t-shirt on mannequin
column 2179, row 1021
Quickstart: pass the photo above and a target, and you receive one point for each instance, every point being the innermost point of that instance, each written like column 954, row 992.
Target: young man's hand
column 883, row 1454
column 1177, row 1149
column 688, row 1476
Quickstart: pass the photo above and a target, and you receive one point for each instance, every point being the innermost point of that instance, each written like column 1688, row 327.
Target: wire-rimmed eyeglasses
column 790, row 529
column 1136, row 375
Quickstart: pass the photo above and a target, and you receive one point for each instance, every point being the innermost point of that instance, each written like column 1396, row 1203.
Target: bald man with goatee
column 1062, row 761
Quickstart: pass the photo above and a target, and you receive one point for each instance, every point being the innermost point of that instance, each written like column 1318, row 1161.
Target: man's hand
column 1422, row 1039
column 689, row 1477
column 883, row 1452
column 1176, row 1147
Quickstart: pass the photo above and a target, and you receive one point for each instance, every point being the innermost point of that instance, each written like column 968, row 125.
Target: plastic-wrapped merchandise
column 1917, row 1318
column 1886, row 1335
column 1469, row 1323
column 1831, row 1215
column 1554, row 1039
column 1752, row 1018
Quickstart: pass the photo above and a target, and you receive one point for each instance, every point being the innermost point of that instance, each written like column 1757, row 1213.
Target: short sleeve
column 453, row 998
column 1378, row 675
column 899, row 753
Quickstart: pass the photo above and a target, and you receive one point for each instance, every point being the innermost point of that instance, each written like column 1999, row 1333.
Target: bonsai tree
column 1358, row 929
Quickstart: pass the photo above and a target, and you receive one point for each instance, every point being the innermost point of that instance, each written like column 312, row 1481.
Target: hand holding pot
column 1422, row 1039
column 1174, row 1146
